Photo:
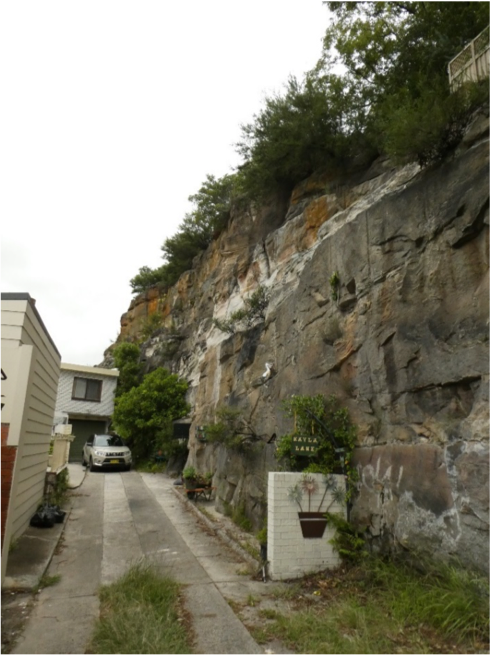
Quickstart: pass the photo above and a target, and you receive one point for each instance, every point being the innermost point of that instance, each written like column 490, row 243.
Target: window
column 107, row 440
column 87, row 389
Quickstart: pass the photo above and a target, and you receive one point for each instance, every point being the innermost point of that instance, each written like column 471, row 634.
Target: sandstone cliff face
column 405, row 345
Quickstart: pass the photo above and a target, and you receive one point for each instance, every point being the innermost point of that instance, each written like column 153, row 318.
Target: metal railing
column 472, row 63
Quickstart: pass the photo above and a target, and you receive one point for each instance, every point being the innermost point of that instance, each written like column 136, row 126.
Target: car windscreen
column 108, row 440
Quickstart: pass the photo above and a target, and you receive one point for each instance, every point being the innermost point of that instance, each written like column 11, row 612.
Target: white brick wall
column 65, row 403
column 291, row 555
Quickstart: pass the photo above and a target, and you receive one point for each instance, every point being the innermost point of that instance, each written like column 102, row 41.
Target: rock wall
column 405, row 344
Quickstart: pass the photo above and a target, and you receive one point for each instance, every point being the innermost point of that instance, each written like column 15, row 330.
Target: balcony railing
column 472, row 63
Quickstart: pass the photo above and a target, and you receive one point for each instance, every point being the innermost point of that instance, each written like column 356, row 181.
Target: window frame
column 84, row 398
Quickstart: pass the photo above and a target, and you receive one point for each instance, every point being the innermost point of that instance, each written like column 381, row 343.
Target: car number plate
column 114, row 462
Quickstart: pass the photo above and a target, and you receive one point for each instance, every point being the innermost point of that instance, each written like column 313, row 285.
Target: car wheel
column 91, row 464
column 128, row 467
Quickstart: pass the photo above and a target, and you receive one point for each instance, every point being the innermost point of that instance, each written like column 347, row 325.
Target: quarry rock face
column 402, row 340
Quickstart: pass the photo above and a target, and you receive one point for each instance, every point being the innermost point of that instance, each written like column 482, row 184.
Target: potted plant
column 201, row 434
column 313, row 523
column 190, row 478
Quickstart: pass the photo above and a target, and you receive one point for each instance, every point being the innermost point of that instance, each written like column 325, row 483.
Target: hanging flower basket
column 313, row 524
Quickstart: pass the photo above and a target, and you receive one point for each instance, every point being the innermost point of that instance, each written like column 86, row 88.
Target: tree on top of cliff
column 395, row 55
column 391, row 97
column 199, row 227
column 294, row 134
column 386, row 46
column 197, row 230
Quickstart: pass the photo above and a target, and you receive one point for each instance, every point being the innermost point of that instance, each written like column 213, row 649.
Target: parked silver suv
column 106, row 451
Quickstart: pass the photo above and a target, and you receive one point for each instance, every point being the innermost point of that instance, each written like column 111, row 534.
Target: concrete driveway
column 116, row 520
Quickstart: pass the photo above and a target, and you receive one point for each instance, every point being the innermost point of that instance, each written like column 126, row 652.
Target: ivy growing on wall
column 330, row 423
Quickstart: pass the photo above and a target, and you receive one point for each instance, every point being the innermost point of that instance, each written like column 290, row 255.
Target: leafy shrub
column 152, row 323
column 240, row 518
column 189, row 472
column 348, row 540
column 429, row 127
column 230, row 429
column 141, row 415
column 330, row 422
column 293, row 135
column 147, row 277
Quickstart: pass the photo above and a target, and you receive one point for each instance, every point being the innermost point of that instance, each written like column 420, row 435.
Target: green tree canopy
column 127, row 360
column 144, row 411
column 387, row 46
column 380, row 87
column 295, row 133
column 197, row 230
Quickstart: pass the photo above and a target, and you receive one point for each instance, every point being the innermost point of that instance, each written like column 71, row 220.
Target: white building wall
column 31, row 363
column 290, row 555
column 102, row 408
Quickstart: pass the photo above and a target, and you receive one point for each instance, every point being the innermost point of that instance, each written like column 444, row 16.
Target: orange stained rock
column 318, row 212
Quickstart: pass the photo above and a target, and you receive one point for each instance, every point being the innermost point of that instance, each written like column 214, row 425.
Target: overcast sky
column 112, row 114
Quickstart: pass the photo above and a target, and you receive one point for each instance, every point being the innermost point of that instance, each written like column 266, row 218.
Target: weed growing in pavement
column 59, row 493
column 252, row 600
column 251, row 549
column 206, row 513
column 234, row 605
column 141, row 614
column 46, row 581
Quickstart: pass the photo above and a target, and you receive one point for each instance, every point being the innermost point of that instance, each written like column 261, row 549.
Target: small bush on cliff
column 142, row 414
column 230, row 429
column 254, row 308
column 152, row 323
column 147, row 277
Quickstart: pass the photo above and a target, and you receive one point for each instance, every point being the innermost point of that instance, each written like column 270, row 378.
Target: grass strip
column 140, row 615
column 389, row 607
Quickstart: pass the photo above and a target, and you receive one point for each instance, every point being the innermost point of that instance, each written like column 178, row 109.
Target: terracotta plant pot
column 313, row 524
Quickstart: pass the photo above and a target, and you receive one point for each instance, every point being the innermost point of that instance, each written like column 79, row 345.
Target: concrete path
column 64, row 615
column 118, row 519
